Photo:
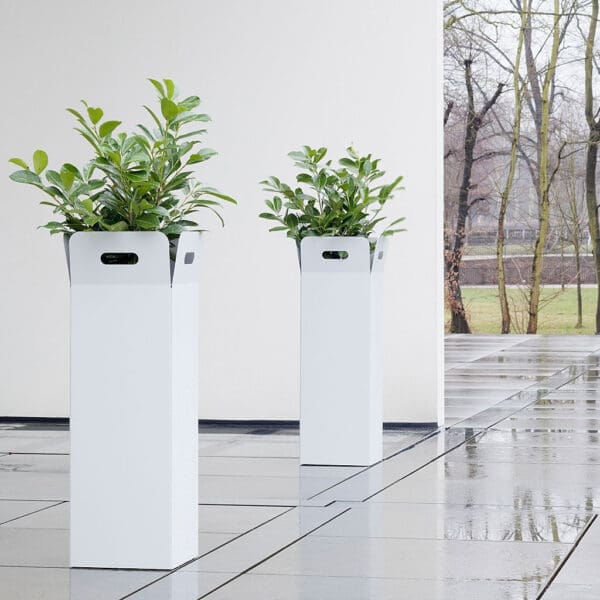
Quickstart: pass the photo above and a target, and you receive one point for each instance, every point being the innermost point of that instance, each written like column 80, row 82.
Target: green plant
column 344, row 201
column 136, row 182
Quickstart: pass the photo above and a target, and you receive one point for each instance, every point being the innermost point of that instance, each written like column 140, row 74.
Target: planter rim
column 371, row 249
column 78, row 233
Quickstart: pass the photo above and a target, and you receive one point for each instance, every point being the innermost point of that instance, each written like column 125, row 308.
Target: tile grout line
column 33, row 499
column 37, row 454
column 260, row 562
column 250, row 505
column 564, row 561
column 33, row 512
column 237, row 537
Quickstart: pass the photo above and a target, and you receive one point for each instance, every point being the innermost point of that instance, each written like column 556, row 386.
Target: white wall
column 273, row 74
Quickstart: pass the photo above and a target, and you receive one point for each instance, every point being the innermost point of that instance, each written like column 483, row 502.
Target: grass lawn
column 558, row 313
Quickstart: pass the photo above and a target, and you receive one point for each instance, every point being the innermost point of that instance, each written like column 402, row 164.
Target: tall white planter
column 134, row 400
column 341, row 355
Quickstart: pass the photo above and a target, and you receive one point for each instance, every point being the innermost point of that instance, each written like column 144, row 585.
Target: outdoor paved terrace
column 501, row 504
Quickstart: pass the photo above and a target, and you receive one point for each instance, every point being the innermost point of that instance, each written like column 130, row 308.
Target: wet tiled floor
column 499, row 504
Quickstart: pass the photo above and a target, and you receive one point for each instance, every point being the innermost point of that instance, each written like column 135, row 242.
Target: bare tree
column 530, row 43
column 505, row 195
column 570, row 217
column 474, row 121
column 541, row 89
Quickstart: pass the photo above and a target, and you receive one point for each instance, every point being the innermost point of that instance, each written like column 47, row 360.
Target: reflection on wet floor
column 500, row 504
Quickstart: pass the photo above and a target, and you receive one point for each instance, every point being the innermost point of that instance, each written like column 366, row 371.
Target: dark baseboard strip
column 253, row 425
column 389, row 425
column 57, row 420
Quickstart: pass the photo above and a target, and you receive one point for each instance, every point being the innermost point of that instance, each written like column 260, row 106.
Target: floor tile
column 34, row 463
column 485, row 523
column 276, row 491
column 24, row 583
column 247, row 550
column 48, row 487
column 184, row 585
column 34, row 547
column 212, row 519
column 562, row 591
column 235, row 519
column 293, row 587
column 582, row 566
column 34, row 441
column 209, row 541
column 417, row 559
column 54, row 517
column 236, row 466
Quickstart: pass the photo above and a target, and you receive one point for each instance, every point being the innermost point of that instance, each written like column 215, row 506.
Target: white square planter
column 134, row 400
column 341, row 364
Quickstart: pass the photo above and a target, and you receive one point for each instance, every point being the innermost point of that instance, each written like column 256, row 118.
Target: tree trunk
column 575, row 232
column 579, row 323
column 505, row 196
column 542, row 120
column 459, row 322
column 592, row 154
column 592, row 208
column 502, row 293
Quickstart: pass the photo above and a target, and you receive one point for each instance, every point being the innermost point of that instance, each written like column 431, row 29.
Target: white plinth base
column 134, row 401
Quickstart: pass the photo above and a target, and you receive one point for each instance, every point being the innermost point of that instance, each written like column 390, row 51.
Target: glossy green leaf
column 119, row 226
column 40, row 161
column 108, row 127
column 76, row 114
column 19, row 162
column 25, row 177
column 168, row 108
column 201, row 156
column 67, row 177
column 95, row 114
column 189, row 103
column 170, row 88
column 158, row 85
column 268, row 216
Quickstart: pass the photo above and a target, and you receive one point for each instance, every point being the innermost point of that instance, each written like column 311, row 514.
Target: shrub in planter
column 333, row 214
column 141, row 181
column 141, row 415
column 342, row 201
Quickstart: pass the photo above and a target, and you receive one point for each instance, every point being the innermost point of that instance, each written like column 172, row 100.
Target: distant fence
column 514, row 235
column 557, row 270
column 521, row 241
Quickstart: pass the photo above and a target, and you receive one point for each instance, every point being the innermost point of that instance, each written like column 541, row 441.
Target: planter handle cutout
column 188, row 259
column 335, row 254
column 119, row 258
